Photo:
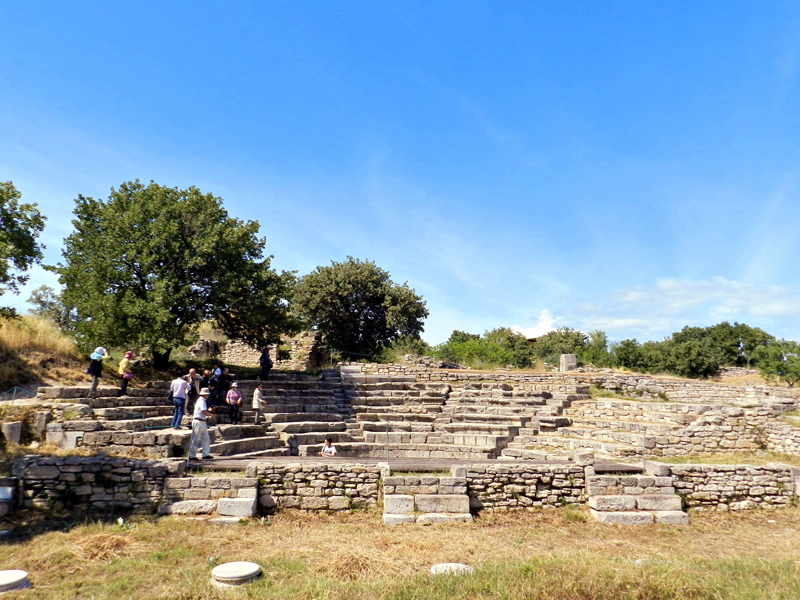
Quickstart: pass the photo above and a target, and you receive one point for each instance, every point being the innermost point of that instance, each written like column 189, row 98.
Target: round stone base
column 14, row 579
column 451, row 569
column 235, row 573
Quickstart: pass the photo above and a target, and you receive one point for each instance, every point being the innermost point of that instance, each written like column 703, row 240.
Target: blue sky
column 628, row 166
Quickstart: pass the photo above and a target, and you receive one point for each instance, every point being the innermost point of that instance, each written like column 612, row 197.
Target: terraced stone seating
column 609, row 427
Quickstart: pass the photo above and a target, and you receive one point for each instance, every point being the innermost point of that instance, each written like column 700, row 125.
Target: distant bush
column 497, row 348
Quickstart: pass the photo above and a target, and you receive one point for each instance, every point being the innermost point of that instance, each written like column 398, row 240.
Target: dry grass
column 34, row 350
column 731, row 458
column 542, row 555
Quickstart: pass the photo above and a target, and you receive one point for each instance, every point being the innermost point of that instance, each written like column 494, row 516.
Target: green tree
column 779, row 361
column 596, row 351
column 145, row 267
column 20, row 226
column 695, row 358
column 357, row 307
column 628, row 354
column 551, row 346
column 48, row 303
column 734, row 344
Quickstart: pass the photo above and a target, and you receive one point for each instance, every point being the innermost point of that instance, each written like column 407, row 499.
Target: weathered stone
column 441, row 504
column 661, row 503
column 235, row 573
column 671, row 517
column 432, row 518
column 451, row 569
column 188, row 507
column 390, row 519
column 12, row 433
column 622, row 518
column 398, row 504
column 612, row 503
column 236, row 507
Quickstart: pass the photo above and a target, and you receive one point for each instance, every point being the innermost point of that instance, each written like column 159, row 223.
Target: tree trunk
column 161, row 359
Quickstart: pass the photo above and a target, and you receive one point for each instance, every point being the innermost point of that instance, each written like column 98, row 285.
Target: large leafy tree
column 20, row 226
column 146, row 266
column 779, row 361
column 357, row 307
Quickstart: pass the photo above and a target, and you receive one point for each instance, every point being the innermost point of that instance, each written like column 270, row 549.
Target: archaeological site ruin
column 428, row 445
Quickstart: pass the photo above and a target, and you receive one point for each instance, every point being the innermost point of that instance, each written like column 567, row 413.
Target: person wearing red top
column 234, row 400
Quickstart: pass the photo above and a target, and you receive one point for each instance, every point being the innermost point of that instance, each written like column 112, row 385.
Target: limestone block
column 612, row 503
column 339, row 503
column 236, row 507
column 188, row 507
column 398, row 504
column 622, row 518
column 389, row 519
column 432, row 518
column 314, row 503
column 442, row 504
column 668, row 503
column 671, row 517
column 12, row 431
column 247, row 493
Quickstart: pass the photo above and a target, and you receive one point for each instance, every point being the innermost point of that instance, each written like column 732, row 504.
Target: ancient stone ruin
column 507, row 441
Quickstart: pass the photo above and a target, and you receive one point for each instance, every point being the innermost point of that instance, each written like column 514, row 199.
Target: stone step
column 291, row 417
column 245, row 445
column 640, row 517
column 466, row 427
column 549, row 442
column 505, row 420
column 141, row 424
column 392, row 417
column 372, row 450
column 309, row 426
column 317, row 437
column 538, row 455
column 625, row 425
column 627, row 502
column 133, row 412
column 633, row 485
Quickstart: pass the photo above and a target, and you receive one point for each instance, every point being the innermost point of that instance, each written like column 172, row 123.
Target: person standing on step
column 223, row 385
column 194, row 388
column 266, row 364
column 234, row 400
column 95, row 368
column 125, row 372
column 179, row 388
column 200, row 426
column 259, row 403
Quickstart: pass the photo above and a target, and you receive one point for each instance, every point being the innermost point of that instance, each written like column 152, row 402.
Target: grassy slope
column 547, row 555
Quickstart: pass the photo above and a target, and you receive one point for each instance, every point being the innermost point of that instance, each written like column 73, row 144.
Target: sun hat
column 98, row 353
column 129, row 354
column 205, row 392
column 234, row 384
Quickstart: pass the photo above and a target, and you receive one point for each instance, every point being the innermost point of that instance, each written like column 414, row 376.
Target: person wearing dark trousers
column 95, row 368
column 234, row 400
column 266, row 364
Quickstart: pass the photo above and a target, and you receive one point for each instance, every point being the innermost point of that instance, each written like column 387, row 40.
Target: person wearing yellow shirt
column 125, row 372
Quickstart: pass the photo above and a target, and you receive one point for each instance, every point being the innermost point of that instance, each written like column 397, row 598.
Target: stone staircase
column 426, row 499
column 613, row 428
column 635, row 499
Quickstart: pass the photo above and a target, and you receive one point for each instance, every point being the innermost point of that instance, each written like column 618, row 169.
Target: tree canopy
column 357, row 307
column 20, row 226
column 146, row 266
column 780, row 361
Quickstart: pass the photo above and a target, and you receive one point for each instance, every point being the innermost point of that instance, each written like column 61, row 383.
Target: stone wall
column 306, row 352
column 95, row 484
column 735, row 487
column 316, row 486
column 514, row 486
column 640, row 386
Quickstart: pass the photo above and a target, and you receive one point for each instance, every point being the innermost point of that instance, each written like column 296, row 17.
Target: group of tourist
column 205, row 395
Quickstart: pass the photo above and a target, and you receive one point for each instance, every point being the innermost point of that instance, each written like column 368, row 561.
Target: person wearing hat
column 234, row 400
column 125, row 372
column 95, row 368
column 200, row 426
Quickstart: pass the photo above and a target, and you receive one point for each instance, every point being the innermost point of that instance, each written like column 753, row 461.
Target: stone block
column 389, row 519
column 247, row 493
column 398, row 504
column 612, row 503
column 432, row 518
column 12, row 431
column 243, row 508
column 671, row 517
column 668, row 503
column 314, row 503
column 622, row 518
column 442, row 504
column 188, row 507
column 339, row 503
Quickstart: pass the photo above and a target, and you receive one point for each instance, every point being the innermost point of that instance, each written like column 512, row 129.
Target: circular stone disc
column 235, row 573
column 13, row 580
column 451, row 569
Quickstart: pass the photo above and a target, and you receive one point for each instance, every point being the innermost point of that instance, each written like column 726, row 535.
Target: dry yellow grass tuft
column 31, row 333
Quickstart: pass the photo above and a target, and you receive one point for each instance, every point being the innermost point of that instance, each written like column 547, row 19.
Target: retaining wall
column 735, row 487
column 518, row 486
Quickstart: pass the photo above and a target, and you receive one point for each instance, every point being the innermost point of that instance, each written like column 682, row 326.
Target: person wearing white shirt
column 200, row 426
column 258, row 400
column 179, row 388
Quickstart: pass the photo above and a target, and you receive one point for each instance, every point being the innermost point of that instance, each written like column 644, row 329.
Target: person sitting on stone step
column 328, row 450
